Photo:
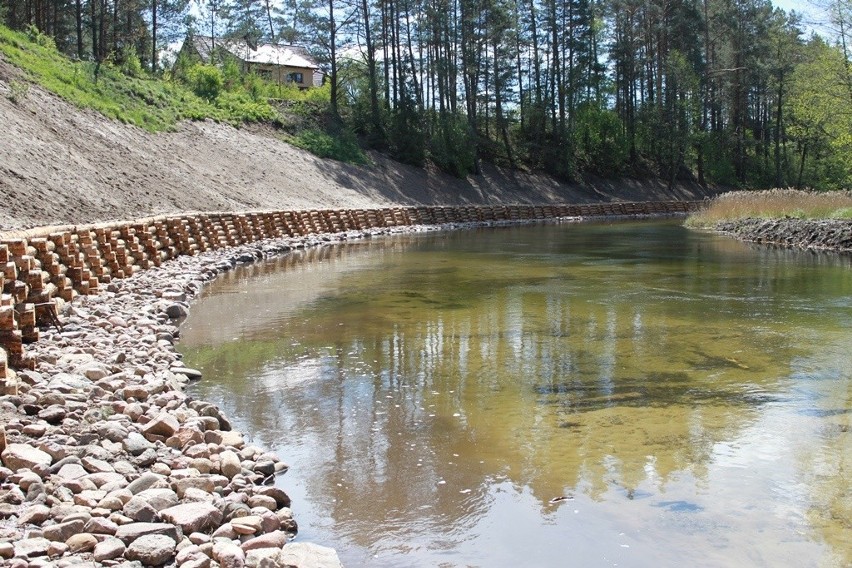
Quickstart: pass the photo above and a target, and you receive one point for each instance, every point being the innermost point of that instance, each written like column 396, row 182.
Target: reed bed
column 774, row 204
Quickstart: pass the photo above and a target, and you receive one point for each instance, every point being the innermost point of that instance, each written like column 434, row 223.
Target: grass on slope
column 124, row 94
column 775, row 204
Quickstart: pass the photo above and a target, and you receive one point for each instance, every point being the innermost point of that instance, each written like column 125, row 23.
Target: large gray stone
column 159, row 499
column 109, row 549
column 164, row 425
column 82, row 542
column 261, row 558
column 71, row 471
column 94, row 465
column 228, row 554
column 229, row 464
column 203, row 482
column 34, row 515
column 140, row 510
column 131, row 531
column 275, row 539
column 143, row 482
column 193, row 517
column 21, row 456
column 176, row 311
column 112, row 431
column 191, row 374
column 281, row 498
column 63, row 531
column 101, row 525
column 66, row 383
column 135, row 443
column 107, row 478
column 31, row 547
column 308, row 555
column 53, row 414
column 151, row 549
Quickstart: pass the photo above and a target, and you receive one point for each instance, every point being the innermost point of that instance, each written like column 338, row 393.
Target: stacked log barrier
column 41, row 269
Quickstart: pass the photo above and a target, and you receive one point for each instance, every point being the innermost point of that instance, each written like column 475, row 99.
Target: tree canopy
column 732, row 92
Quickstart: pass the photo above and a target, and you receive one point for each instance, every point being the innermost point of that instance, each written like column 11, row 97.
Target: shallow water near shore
column 616, row 394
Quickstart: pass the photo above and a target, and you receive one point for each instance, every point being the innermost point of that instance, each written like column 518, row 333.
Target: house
column 273, row 62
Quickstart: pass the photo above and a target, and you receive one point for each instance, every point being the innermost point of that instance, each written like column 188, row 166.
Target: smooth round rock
column 151, row 549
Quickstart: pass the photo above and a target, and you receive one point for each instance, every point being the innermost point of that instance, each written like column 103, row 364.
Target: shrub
column 451, row 146
column 18, row 91
column 130, row 64
column 39, row 38
column 343, row 147
column 240, row 107
column 231, row 75
column 205, row 81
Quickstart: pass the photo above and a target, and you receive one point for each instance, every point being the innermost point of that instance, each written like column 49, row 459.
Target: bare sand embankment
column 63, row 165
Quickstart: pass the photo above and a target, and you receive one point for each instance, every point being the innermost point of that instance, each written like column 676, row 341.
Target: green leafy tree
column 821, row 117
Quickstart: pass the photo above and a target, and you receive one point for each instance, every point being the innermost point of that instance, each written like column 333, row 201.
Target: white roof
column 266, row 53
column 270, row 54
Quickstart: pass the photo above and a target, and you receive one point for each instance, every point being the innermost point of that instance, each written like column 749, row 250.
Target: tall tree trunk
column 418, row 92
column 96, row 51
column 779, row 182
column 498, row 106
column 332, row 33
column 78, row 13
column 470, row 75
column 268, row 6
column 802, row 165
column 154, row 7
column 375, row 117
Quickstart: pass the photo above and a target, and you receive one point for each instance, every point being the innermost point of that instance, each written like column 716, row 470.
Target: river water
column 619, row 394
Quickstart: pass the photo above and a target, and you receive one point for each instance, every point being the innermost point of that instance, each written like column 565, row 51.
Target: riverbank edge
column 141, row 389
column 831, row 235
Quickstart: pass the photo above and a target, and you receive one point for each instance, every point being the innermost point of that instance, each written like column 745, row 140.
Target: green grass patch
column 342, row 147
column 124, row 92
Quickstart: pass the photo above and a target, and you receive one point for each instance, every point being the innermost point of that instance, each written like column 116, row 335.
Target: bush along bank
column 828, row 234
column 106, row 460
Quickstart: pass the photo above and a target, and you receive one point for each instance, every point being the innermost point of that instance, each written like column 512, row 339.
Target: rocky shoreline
column 825, row 234
column 107, row 462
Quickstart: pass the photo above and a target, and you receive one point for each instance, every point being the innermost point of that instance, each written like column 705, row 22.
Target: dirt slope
column 63, row 165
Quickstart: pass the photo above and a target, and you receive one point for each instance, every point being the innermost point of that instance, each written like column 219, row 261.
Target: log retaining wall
column 41, row 269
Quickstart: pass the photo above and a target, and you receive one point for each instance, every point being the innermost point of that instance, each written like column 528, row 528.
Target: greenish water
column 688, row 394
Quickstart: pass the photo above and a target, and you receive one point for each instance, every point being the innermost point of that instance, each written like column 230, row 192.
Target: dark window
column 296, row 77
column 264, row 74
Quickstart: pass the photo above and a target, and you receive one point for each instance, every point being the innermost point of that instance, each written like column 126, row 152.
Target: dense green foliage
column 341, row 146
column 126, row 94
column 719, row 91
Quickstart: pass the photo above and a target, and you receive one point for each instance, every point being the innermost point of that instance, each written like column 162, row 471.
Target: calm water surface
column 688, row 397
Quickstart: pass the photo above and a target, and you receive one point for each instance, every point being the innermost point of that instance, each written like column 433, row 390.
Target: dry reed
column 775, row 204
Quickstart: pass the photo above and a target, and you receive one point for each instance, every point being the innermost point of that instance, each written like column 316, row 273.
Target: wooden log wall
column 41, row 269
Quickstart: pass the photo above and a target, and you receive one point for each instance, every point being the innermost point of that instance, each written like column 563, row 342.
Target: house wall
column 281, row 74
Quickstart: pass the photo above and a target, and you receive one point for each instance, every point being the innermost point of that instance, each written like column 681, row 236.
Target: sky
column 811, row 15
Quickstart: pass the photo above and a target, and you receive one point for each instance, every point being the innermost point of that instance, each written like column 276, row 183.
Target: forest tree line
column 732, row 92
